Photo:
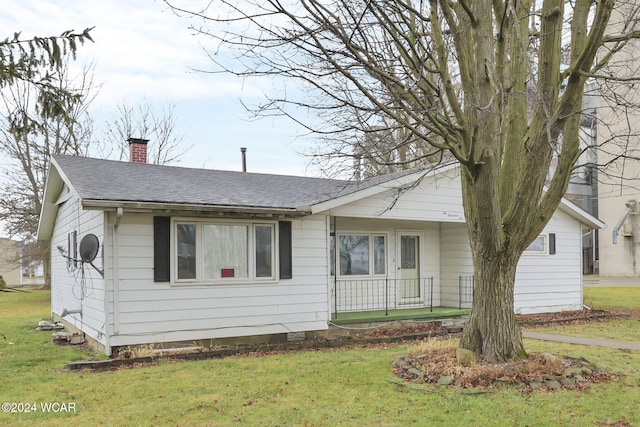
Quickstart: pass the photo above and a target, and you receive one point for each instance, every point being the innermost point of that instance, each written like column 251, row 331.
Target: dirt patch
column 541, row 371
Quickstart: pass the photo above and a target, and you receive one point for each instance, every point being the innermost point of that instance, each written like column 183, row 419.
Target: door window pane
column 408, row 255
column 264, row 239
column 186, row 235
column 354, row 255
column 225, row 250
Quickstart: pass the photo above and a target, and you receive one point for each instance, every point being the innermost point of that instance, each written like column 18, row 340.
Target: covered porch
column 420, row 314
column 384, row 265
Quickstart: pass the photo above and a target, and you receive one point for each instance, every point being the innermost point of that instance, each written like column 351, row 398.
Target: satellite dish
column 89, row 246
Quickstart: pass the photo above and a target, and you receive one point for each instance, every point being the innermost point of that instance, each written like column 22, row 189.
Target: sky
column 144, row 53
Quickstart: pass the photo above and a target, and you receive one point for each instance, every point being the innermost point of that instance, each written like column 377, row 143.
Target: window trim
column 371, row 253
column 251, row 252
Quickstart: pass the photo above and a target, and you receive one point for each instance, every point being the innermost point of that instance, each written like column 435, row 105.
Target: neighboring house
column 194, row 254
column 10, row 261
column 618, row 131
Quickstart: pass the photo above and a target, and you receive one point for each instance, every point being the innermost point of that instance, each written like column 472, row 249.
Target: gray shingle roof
column 108, row 180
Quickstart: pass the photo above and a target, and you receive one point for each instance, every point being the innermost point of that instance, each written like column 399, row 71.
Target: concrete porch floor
column 421, row 313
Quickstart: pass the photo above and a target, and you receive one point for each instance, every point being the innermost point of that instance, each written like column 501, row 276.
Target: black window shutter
column 552, row 243
column 284, row 250
column 161, row 249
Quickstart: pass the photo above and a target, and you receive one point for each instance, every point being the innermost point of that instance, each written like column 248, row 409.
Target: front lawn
column 313, row 388
column 617, row 299
column 612, row 297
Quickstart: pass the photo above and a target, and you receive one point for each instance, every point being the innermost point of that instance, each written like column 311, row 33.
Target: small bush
column 3, row 284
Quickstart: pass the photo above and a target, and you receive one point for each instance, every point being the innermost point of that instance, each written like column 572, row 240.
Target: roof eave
column 173, row 208
column 53, row 186
column 581, row 215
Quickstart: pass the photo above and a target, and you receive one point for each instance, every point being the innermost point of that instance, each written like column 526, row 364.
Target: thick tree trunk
column 492, row 330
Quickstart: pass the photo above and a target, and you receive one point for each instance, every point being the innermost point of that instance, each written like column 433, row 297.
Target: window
column 186, row 249
column 379, row 263
column 264, row 255
column 361, row 254
column 544, row 244
column 225, row 251
column 208, row 251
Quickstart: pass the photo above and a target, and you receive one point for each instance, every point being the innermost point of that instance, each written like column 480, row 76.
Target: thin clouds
column 141, row 49
column 143, row 52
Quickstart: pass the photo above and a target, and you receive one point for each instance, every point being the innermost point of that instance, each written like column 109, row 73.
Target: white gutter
column 112, row 205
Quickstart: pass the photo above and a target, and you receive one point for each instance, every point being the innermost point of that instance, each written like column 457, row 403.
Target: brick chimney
column 138, row 150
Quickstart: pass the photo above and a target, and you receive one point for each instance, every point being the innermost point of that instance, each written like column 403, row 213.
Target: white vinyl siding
column 552, row 282
column 149, row 311
column 544, row 283
column 79, row 287
column 456, row 261
column 435, row 199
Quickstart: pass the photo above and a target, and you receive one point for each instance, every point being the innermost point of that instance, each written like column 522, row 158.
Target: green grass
column 612, row 297
column 616, row 298
column 619, row 330
column 341, row 387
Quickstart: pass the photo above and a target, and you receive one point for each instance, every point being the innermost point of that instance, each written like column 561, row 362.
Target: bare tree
column 29, row 134
column 36, row 102
column 28, row 138
column 166, row 143
column 481, row 81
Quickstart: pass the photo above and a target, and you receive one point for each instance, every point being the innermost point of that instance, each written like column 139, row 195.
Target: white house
column 193, row 254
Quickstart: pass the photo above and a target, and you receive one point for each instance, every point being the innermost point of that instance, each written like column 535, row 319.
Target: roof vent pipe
column 243, row 150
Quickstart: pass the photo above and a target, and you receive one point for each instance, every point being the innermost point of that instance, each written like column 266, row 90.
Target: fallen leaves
column 541, row 371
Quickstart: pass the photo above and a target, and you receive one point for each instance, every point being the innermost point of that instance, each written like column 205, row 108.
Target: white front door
column 409, row 284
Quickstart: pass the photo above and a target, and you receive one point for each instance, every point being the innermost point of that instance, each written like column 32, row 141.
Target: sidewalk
column 622, row 345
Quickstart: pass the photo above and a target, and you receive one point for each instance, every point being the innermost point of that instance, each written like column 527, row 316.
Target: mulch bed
column 541, row 371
